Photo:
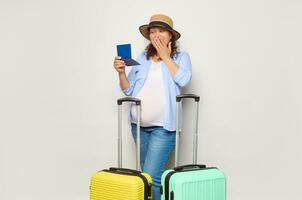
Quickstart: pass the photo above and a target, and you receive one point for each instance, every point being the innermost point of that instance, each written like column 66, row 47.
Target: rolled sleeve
column 131, row 78
column 129, row 91
column 184, row 73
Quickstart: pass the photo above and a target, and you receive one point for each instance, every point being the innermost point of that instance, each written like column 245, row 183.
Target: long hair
column 151, row 51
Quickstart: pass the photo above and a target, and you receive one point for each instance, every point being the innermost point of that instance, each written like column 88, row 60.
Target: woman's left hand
column 163, row 51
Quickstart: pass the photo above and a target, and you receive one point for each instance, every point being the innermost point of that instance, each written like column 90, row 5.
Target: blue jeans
column 156, row 147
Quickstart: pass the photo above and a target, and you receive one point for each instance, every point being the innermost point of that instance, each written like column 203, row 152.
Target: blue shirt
column 172, row 84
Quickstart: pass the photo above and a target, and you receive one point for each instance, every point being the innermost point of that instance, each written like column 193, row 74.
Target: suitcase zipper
column 167, row 180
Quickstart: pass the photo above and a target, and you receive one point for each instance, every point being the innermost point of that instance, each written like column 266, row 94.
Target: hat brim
column 144, row 29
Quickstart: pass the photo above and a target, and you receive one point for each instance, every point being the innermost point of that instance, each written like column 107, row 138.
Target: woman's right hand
column 119, row 64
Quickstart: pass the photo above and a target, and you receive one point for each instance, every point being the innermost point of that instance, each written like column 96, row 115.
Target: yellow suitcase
column 121, row 183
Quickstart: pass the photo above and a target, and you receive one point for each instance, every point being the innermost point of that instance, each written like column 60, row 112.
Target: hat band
column 159, row 24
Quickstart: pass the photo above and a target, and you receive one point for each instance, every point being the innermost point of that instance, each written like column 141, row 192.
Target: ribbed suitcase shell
column 111, row 186
column 120, row 183
column 201, row 184
column 192, row 182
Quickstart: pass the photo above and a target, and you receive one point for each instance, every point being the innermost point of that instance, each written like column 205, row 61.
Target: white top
column 152, row 96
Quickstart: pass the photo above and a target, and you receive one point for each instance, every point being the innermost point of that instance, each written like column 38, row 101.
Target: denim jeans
column 156, row 147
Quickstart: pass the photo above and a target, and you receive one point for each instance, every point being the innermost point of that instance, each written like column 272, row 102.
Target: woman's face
column 162, row 34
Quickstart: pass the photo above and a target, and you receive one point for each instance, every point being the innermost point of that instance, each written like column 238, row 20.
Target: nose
column 157, row 34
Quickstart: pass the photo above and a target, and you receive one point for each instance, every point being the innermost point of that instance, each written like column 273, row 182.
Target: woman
column 162, row 72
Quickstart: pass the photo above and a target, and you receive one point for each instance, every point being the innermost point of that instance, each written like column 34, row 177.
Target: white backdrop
column 58, row 89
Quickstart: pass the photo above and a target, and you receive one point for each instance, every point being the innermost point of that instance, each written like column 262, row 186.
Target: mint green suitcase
column 195, row 182
column 192, row 182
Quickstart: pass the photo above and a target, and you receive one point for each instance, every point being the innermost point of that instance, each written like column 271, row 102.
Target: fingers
column 162, row 49
column 118, row 61
column 158, row 43
column 119, row 64
column 120, row 68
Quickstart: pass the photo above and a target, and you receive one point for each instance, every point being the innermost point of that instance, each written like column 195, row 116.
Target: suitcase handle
column 184, row 167
column 128, row 99
column 138, row 106
column 192, row 96
column 195, row 139
column 125, row 170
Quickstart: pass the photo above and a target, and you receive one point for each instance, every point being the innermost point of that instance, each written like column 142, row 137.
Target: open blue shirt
column 172, row 84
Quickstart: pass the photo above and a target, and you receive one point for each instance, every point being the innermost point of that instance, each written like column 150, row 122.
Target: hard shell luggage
column 192, row 182
column 121, row 183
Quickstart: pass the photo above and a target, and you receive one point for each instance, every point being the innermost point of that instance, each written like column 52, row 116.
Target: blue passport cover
column 124, row 51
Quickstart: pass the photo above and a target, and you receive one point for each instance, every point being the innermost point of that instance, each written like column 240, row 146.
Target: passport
column 124, row 51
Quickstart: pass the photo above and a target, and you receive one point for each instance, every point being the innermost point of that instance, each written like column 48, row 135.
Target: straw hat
column 162, row 21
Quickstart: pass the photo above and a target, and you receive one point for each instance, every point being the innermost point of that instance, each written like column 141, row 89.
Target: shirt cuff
column 128, row 92
column 179, row 74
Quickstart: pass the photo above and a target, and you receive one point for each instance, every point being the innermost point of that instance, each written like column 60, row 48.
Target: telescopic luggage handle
column 138, row 104
column 191, row 96
column 128, row 99
column 195, row 139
